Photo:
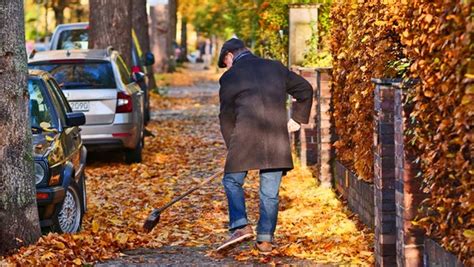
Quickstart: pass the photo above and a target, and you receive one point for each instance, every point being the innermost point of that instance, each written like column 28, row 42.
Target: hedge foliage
column 433, row 39
column 437, row 36
column 363, row 43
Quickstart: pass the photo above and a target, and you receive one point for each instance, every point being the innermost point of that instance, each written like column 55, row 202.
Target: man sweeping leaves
column 254, row 124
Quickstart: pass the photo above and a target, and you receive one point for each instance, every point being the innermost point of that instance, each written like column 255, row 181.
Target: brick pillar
column 410, row 239
column 306, row 138
column 384, row 174
column 324, row 126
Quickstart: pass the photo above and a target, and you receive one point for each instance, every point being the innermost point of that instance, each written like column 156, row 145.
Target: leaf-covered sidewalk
column 184, row 145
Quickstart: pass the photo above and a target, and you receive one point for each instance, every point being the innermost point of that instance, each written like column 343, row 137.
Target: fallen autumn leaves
column 186, row 147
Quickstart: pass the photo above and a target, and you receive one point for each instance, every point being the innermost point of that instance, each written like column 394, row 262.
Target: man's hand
column 293, row 126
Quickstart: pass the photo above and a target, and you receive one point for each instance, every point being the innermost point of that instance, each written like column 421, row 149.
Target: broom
column 154, row 218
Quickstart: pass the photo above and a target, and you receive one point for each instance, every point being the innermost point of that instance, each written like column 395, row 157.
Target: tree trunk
column 59, row 14
column 111, row 24
column 140, row 25
column 173, row 18
column 159, row 36
column 184, row 39
column 173, row 13
column 18, row 211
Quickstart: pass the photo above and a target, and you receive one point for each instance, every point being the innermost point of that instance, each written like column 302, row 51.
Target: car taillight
column 124, row 103
column 42, row 195
column 135, row 69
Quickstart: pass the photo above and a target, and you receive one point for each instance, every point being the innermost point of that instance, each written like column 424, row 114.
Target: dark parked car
column 59, row 155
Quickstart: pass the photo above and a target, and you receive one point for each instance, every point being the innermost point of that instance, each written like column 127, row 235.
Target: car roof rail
column 109, row 50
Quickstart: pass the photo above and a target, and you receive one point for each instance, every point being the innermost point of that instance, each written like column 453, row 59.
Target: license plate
column 79, row 106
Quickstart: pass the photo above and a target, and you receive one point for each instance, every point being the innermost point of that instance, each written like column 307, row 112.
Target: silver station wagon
column 98, row 83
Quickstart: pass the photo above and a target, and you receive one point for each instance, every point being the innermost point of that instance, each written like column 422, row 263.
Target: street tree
column 19, row 224
column 173, row 13
column 160, row 27
column 111, row 24
column 140, row 26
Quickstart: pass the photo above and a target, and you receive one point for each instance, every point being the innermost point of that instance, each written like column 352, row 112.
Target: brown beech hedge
column 418, row 39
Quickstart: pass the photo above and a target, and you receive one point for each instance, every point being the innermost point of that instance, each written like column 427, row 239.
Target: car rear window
column 81, row 74
column 73, row 39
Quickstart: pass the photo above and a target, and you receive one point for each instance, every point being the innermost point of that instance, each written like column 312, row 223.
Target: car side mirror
column 138, row 76
column 149, row 59
column 75, row 119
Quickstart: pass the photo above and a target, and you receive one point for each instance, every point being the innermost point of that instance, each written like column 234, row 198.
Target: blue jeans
column 269, row 186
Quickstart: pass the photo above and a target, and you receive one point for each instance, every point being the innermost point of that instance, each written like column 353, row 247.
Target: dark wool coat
column 253, row 115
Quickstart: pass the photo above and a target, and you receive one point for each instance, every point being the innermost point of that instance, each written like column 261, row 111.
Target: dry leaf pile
column 184, row 149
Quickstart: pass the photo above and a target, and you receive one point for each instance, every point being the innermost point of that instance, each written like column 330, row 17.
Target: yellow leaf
column 406, row 34
column 465, row 100
column 45, row 125
column 380, row 23
column 121, row 238
column 116, row 221
column 469, row 234
column 428, row 18
column 95, row 226
column 366, row 253
column 47, row 256
column 60, row 245
column 77, row 261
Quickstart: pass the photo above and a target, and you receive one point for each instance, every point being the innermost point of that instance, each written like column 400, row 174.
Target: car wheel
column 134, row 155
column 69, row 217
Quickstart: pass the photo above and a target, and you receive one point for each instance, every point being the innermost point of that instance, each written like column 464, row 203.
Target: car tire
column 68, row 219
column 147, row 116
column 134, row 155
column 82, row 181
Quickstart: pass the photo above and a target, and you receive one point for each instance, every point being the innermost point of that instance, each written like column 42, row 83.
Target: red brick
column 386, row 92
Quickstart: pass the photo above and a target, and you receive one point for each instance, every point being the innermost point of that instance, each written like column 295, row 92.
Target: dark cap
column 229, row 46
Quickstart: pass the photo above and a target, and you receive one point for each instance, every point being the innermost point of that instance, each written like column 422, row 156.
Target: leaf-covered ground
column 184, row 145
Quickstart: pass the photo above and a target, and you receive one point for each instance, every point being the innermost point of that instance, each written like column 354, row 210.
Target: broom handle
column 178, row 198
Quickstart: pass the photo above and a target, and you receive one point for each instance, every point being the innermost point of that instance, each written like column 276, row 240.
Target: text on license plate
column 79, row 106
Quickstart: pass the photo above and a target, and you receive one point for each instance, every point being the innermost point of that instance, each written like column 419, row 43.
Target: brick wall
column 358, row 193
column 314, row 141
column 325, row 130
column 384, row 174
column 410, row 239
column 391, row 203
column 306, row 139
column 435, row 255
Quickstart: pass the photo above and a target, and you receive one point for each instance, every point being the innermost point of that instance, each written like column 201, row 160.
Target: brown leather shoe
column 237, row 236
column 264, row 248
